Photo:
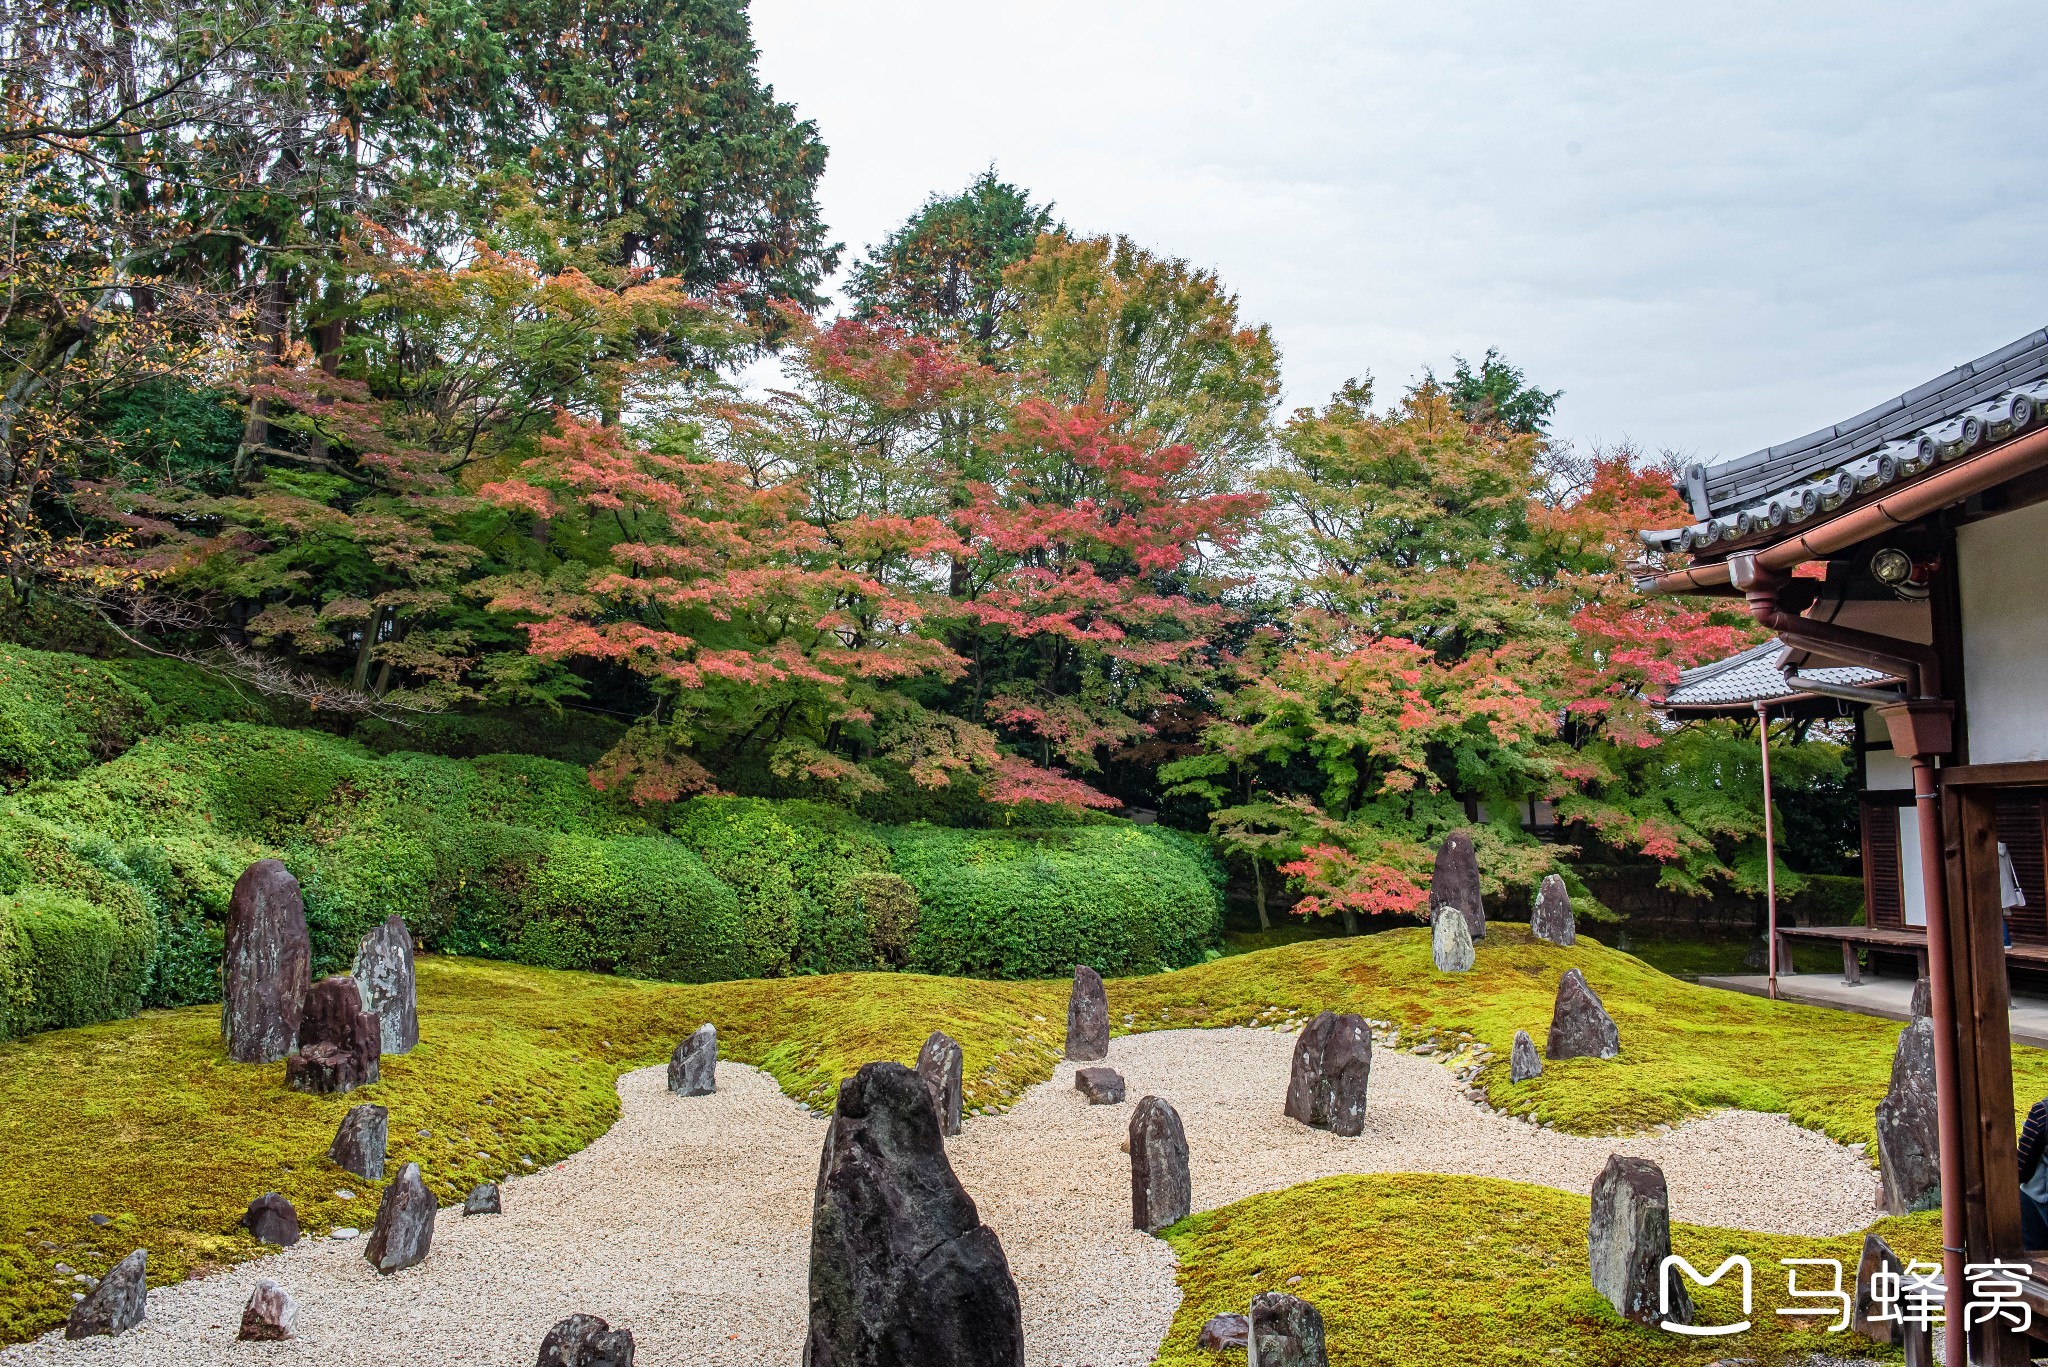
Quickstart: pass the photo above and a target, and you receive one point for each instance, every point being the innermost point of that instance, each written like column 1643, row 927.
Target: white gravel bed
column 689, row 1222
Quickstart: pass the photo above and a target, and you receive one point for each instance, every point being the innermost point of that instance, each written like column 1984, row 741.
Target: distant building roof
column 1756, row 675
column 1987, row 400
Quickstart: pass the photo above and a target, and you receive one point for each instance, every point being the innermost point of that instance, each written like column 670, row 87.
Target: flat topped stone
column 1102, row 1086
column 1455, row 882
column 339, row 1042
column 1628, row 1236
column 270, row 1316
column 360, row 1141
column 1908, row 1135
column 693, row 1067
column 1161, row 1189
column 1220, row 1332
column 384, row 979
column 1346, row 1073
column 1523, row 1063
column 940, row 1063
column 1087, row 1017
column 271, row 1219
column 117, row 1304
column 404, row 1233
column 903, row 1271
column 1450, row 942
column 266, row 964
column 585, row 1341
column 1286, row 1331
column 1579, row 1024
column 1551, row 918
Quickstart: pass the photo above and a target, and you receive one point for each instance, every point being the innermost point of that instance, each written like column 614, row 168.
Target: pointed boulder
column 1450, row 942
column 360, row 1141
column 339, row 1042
column 939, row 1063
column 1863, row 1316
column 1551, row 918
column 1629, row 1237
column 1523, row 1063
column 1304, row 1079
column 384, row 979
column 1161, row 1188
column 270, row 1316
column 902, row 1268
column 116, row 1305
column 266, row 965
column 1579, row 1024
column 1908, row 1140
column 1455, row 882
column 586, row 1341
column 1285, row 1331
column 1087, row 1017
column 404, row 1232
column 693, row 1067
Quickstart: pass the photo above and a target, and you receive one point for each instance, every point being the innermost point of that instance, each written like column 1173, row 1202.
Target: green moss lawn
column 145, row 1121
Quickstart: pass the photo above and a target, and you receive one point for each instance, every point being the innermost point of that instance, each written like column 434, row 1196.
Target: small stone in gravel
column 360, row 1142
column 266, row 964
column 272, row 1220
column 902, row 1268
column 339, row 1042
column 1347, row 1071
column 1304, row 1078
column 1524, row 1063
column 115, row 1305
column 1907, row 1135
column 1087, row 1017
column 384, row 978
column 1224, row 1331
column 1628, row 1238
column 693, row 1067
column 1450, row 942
column 1579, row 1024
column 939, row 1063
column 404, row 1231
column 1102, row 1086
column 483, row 1200
column 1551, row 918
column 1161, row 1190
column 1286, row 1332
column 343, row 1232
column 586, row 1341
column 1454, row 882
column 271, row 1314
column 1877, row 1257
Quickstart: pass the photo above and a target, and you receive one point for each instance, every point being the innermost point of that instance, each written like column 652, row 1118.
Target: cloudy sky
column 1714, row 226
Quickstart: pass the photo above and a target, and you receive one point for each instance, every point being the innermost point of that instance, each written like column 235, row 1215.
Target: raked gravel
column 689, row 1222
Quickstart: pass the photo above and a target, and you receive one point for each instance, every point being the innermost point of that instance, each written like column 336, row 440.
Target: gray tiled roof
column 1756, row 675
column 1987, row 400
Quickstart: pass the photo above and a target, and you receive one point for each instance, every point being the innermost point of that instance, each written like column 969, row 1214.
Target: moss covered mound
column 1416, row 1270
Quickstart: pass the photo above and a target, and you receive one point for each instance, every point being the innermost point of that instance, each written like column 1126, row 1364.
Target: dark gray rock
column 1628, row 1238
column 1579, row 1024
column 693, row 1067
column 404, row 1232
column 903, row 1271
column 483, row 1200
column 1087, row 1017
column 1523, row 1063
column 271, row 1219
column 360, row 1141
column 1161, row 1190
column 384, row 979
column 1286, row 1332
column 940, row 1063
column 339, row 1042
column 1102, row 1086
column 1450, row 942
column 1551, row 917
column 1220, row 1332
column 1304, row 1079
column 1347, row 1071
column 270, row 1316
column 116, row 1304
column 586, row 1341
column 1455, row 882
column 1923, row 999
column 266, row 965
column 1877, row 1257
column 1908, row 1141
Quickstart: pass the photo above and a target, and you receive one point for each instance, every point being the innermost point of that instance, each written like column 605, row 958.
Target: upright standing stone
column 116, row 1305
column 1304, row 1079
column 270, row 1219
column 270, row 1316
column 586, row 1341
column 1628, row 1239
column 1450, row 943
column 1285, row 1332
column 360, row 1141
column 1579, row 1024
column 1347, row 1071
column 1161, row 1189
column 1551, row 918
column 1523, row 1063
column 1455, row 882
column 903, row 1270
column 339, row 1042
column 384, row 979
column 266, row 965
column 1087, row 1017
column 1877, row 1257
column 404, row 1232
column 1923, row 999
column 939, row 1064
column 1908, row 1138
column 693, row 1067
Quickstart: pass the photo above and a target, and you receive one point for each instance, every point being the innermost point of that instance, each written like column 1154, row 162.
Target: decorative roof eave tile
column 1753, row 676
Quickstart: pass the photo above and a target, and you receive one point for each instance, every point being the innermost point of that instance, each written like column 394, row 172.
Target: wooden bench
column 1912, row 942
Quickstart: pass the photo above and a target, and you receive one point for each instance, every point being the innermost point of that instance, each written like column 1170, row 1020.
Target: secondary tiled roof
column 1985, row 401
column 1756, row 675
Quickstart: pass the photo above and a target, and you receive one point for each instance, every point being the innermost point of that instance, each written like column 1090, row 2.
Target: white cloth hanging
column 2009, row 894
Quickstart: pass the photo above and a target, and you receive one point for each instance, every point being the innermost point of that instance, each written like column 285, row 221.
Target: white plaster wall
column 2003, row 564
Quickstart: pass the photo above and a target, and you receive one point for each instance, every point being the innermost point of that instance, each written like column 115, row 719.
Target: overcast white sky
column 1715, row 226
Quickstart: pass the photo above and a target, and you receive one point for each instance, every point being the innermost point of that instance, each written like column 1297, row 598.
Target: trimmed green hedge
column 1032, row 904
column 65, row 961
column 640, row 905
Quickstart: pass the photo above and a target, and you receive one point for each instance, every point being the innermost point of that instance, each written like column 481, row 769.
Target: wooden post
column 1763, row 732
column 1852, row 972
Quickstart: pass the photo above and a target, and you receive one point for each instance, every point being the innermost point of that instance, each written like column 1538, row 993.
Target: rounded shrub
column 1031, row 904
column 61, row 713
column 643, row 906
column 67, row 961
